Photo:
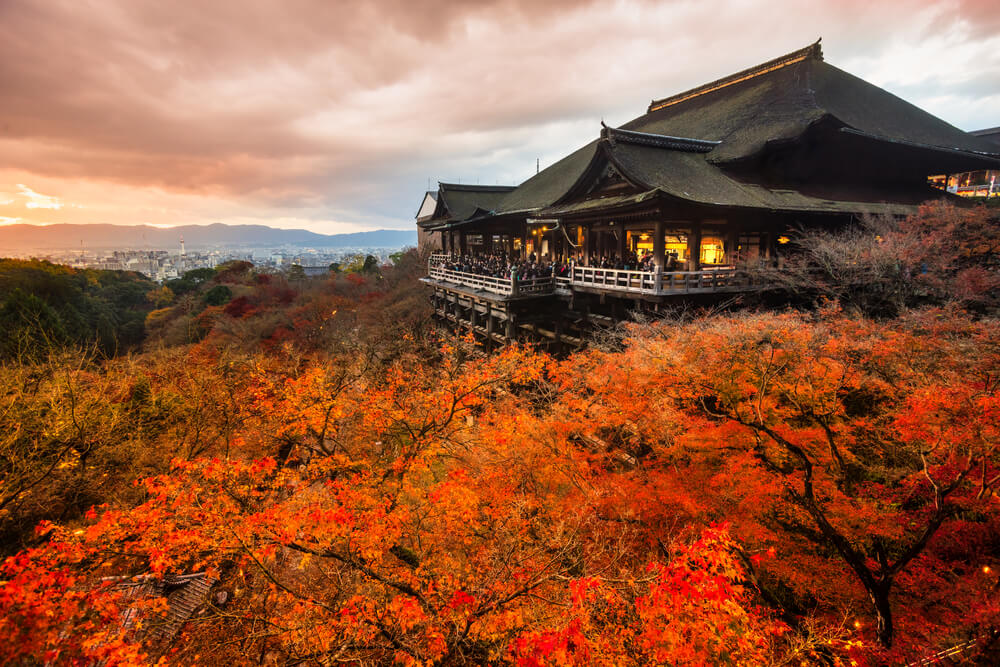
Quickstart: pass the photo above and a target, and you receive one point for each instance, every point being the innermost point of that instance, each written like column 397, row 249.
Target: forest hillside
column 270, row 469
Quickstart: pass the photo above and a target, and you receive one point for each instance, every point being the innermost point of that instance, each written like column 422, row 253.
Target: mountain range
column 68, row 236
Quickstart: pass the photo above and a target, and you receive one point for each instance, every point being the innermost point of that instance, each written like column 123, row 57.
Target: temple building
column 684, row 198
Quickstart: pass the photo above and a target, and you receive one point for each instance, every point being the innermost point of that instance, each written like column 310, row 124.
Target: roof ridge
column 813, row 51
column 468, row 187
column 685, row 144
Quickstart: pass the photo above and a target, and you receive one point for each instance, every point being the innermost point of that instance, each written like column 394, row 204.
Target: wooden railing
column 504, row 286
column 652, row 282
column 615, row 280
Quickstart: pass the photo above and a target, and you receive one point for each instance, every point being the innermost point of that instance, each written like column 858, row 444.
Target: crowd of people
column 502, row 266
column 631, row 262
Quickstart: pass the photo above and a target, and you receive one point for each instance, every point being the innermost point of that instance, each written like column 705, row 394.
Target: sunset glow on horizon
column 335, row 117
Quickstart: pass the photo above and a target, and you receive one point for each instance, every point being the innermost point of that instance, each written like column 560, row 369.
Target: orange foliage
column 721, row 491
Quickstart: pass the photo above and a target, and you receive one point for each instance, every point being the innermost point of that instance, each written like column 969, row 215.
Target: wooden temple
column 706, row 185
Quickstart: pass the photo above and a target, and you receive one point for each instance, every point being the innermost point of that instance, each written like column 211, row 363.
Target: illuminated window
column 713, row 250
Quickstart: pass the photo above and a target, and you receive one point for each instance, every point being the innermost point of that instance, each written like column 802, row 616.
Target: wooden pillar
column 620, row 230
column 489, row 326
column 732, row 243
column 658, row 244
column 694, row 246
column 462, row 243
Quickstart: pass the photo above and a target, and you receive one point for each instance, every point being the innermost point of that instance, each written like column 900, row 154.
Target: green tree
column 370, row 264
column 219, row 295
column 161, row 297
column 199, row 276
column 30, row 327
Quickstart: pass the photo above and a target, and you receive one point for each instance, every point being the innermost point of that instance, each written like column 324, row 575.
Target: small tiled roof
column 185, row 593
column 457, row 201
column 989, row 134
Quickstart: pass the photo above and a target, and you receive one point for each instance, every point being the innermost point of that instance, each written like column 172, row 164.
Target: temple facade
column 982, row 183
column 688, row 197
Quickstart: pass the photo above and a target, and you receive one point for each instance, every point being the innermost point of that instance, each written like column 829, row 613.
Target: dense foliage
column 45, row 305
column 881, row 266
column 755, row 488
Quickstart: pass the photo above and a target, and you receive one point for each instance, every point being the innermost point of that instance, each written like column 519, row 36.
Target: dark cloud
column 340, row 111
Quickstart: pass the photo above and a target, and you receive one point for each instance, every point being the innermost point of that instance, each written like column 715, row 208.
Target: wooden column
column 463, row 245
column 489, row 326
column 658, row 244
column 620, row 230
column 732, row 243
column 694, row 247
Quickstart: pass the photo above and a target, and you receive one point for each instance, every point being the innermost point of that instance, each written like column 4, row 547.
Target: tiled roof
column 732, row 119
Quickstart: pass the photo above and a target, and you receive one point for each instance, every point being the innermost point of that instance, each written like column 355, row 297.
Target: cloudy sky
column 334, row 115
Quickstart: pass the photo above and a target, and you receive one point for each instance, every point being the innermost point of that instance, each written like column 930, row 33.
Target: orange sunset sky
column 334, row 116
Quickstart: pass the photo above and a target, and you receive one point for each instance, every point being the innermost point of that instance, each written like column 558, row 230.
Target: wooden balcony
column 658, row 283
column 503, row 287
column 585, row 278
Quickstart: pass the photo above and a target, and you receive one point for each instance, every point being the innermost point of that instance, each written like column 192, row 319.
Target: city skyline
column 309, row 116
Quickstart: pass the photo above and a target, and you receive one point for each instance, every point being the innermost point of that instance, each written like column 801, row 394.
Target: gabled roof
column 689, row 177
column 550, row 183
column 427, row 207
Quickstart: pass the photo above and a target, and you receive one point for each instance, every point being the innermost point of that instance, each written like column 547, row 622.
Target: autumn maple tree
column 854, row 449
column 411, row 534
column 742, row 489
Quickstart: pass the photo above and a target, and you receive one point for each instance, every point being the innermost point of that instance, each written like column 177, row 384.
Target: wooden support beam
column 489, row 326
column 658, row 244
